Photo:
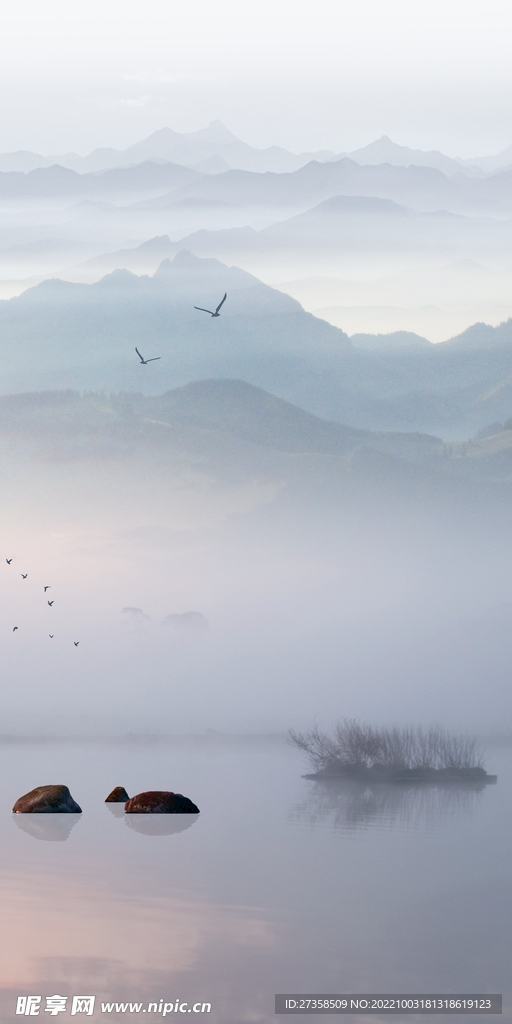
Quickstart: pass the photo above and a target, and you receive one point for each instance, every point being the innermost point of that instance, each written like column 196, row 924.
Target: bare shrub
column 355, row 745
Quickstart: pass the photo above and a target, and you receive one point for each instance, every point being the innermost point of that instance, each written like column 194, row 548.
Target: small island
column 396, row 754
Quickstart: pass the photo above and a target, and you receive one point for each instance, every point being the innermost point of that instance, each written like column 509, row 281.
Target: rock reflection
column 160, row 824
column 352, row 805
column 116, row 809
column 51, row 828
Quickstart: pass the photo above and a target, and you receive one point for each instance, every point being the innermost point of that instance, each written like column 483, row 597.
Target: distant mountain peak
column 218, row 126
column 198, row 266
column 184, row 258
column 216, row 133
column 158, row 133
column 118, row 277
column 161, row 135
column 384, row 150
column 358, row 205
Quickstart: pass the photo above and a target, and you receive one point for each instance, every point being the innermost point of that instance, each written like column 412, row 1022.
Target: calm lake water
column 279, row 885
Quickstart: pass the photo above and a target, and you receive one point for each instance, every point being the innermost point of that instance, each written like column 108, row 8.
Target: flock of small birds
column 215, row 312
column 24, row 576
column 143, row 362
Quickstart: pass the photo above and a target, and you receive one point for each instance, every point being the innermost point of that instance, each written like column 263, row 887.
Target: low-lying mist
column 350, row 584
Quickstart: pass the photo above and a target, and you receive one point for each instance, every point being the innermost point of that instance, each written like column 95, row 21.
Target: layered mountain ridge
column 65, row 335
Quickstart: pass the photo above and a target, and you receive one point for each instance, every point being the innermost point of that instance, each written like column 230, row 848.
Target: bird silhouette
column 144, row 362
column 15, row 628
column 217, row 311
column 50, row 603
column 76, row 642
column 8, row 560
column 24, row 574
column 51, row 635
column 47, row 588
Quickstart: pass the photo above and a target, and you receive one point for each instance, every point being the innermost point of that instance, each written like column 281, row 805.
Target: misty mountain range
column 73, row 422
column 231, row 431
column 85, row 335
column 65, row 335
column 212, row 149
column 306, row 490
column 386, row 227
column 161, row 185
column 338, row 229
column 383, row 240
column 215, row 149
column 423, row 188
column 61, row 183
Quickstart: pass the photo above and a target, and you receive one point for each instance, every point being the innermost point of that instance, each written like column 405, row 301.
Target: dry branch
column 355, row 746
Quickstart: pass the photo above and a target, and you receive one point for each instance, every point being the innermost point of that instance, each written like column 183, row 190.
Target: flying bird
column 8, row 560
column 51, row 635
column 217, row 311
column 24, row 574
column 76, row 642
column 47, row 588
column 144, row 362
column 15, row 628
column 50, row 603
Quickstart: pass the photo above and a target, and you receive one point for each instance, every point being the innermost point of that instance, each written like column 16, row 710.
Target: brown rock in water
column 117, row 796
column 47, row 800
column 160, row 802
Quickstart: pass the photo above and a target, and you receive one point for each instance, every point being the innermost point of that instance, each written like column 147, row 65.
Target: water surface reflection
column 348, row 804
column 285, row 885
column 117, row 810
column 160, row 824
column 52, row 828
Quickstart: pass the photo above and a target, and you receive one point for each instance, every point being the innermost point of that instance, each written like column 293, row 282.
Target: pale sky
column 305, row 74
